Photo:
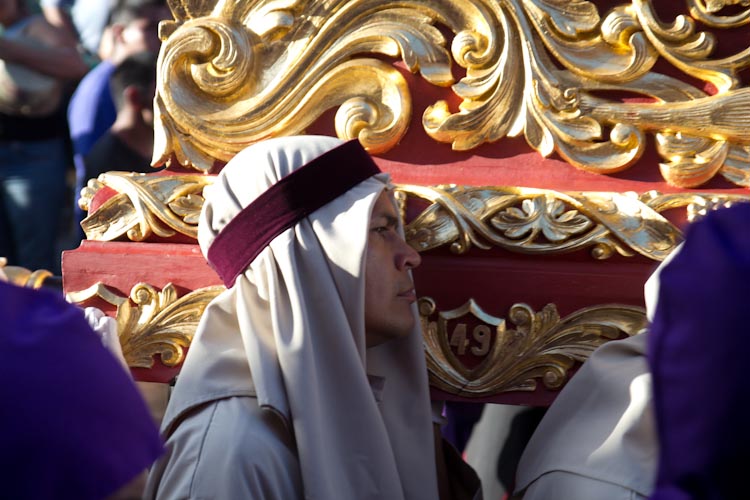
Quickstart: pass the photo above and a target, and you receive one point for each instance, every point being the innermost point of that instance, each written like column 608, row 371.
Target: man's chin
column 394, row 333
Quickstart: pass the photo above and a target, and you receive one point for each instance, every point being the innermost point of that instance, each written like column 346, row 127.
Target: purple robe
column 72, row 423
column 697, row 352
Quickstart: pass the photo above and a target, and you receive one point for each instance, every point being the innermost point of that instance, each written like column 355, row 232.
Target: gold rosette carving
column 145, row 204
column 541, row 347
column 538, row 221
column 153, row 322
column 235, row 72
column 526, row 220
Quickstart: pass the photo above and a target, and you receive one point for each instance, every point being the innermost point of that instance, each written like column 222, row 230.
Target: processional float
column 548, row 155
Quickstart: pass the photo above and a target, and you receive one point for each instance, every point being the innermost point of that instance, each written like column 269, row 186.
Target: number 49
column 480, row 333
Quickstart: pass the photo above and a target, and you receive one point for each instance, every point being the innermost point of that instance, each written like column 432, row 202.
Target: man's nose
column 407, row 257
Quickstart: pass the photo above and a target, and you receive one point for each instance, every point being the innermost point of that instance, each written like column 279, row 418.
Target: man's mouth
column 409, row 294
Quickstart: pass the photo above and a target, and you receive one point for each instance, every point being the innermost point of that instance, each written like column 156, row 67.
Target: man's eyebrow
column 390, row 220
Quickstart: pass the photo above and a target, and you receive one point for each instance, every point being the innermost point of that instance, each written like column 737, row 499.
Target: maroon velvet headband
column 285, row 203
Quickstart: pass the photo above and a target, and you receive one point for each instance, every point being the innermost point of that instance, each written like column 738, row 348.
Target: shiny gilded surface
column 530, row 347
column 537, row 221
column 235, row 72
column 541, row 347
column 525, row 220
column 152, row 322
column 23, row 277
column 144, row 204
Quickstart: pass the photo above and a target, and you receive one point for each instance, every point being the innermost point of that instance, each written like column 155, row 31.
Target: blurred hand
column 106, row 327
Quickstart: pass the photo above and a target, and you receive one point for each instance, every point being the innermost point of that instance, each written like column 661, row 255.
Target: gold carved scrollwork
column 153, row 322
column 526, row 220
column 536, row 221
column 163, row 205
column 249, row 70
column 235, row 72
column 21, row 276
column 541, row 347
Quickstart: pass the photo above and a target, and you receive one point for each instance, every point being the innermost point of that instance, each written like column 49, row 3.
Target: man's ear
column 133, row 96
column 115, row 33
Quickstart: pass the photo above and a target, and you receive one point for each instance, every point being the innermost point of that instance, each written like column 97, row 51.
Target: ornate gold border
column 525, row 220
column 541, row 348
column 541, row 221
column 152, row 322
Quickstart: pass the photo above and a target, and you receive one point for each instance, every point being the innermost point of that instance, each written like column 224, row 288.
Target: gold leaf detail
column 188, row 207
column 537, row 221
column 153, row 322
column 542, row 347
column 254, row 70
column 163, row 205
column 233, row 73
column 160, row 323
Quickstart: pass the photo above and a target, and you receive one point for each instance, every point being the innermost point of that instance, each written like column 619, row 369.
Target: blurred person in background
column 132, row 28
column 37, row 60
column 83, row 21
column 128, row 145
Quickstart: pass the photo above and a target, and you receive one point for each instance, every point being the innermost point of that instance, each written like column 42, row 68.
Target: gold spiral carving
column 235, row 72
column 253, row 70
column 541, row 348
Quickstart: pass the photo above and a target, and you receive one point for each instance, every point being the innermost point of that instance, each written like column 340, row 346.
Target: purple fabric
column 285, row 203
column 91, row 110
column 698, row 345
column 72, row 424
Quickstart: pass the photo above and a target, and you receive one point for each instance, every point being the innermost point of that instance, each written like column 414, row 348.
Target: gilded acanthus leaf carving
column 160, row 323
column 253, row 70
column 526, row 220
column 153, row 322
column 536, row 216
column 163, row 205
column 541, row 348
column 538, row 221
column 235, row 72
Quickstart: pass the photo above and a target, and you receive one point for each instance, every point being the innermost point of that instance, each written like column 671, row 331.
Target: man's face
column 142, row 34
column 389, row 291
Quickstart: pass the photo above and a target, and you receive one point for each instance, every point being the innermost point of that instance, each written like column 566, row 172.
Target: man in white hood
column 306, row 377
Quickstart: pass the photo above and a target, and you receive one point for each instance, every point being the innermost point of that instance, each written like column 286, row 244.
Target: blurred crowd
column 77, row 82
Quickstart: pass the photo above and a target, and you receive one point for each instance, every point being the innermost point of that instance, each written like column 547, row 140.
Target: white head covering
column 291, row 331
column 651, row 288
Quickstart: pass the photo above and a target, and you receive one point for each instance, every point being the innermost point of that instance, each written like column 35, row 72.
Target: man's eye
column 380, row 229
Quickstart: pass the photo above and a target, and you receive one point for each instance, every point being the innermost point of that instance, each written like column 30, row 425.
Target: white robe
column 227, row 449
column 290, row 332
column 598, row 439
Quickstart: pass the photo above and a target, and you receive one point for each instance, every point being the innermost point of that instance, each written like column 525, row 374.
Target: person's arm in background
column 57, row 13
column 54, row 55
